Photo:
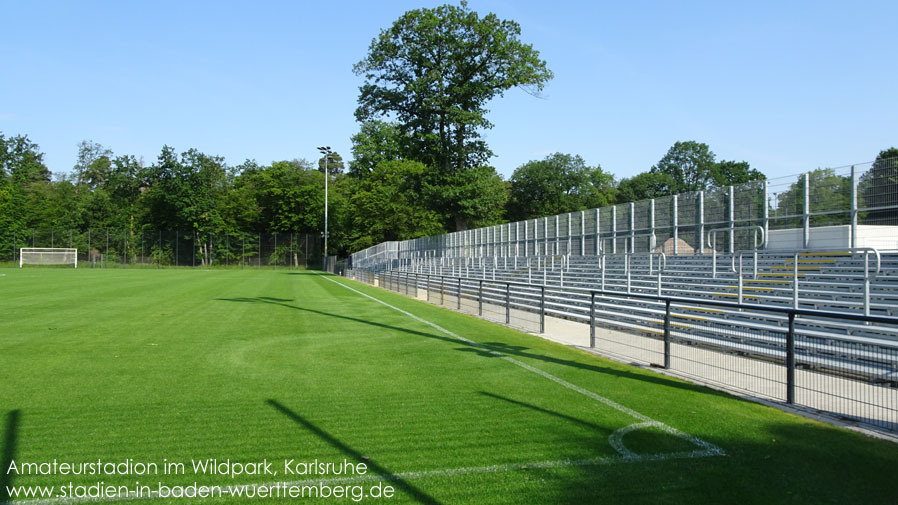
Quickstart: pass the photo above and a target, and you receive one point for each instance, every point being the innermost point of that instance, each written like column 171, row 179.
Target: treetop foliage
column 434, row 70
column 557, row 184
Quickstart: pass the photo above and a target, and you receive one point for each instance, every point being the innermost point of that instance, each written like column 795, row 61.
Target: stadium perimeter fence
column 770, row 353
column 725, row 219
column 124, row 248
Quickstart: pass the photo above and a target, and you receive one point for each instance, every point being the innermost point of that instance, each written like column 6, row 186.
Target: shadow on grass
column 559, row 415
column 9, row 453
column 417, row 494
column 488, row 349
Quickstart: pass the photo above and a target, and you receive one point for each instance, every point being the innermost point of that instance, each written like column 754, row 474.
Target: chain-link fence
column 724, row 219
column 116, row 248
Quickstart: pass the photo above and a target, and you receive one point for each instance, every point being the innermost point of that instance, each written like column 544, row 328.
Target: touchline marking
column 228, row 489
column 646, row 421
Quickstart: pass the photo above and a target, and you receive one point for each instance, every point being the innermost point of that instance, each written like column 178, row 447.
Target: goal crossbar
column 48, row 256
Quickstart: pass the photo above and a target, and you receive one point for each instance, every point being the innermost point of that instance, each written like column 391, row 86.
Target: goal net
column 47, row 256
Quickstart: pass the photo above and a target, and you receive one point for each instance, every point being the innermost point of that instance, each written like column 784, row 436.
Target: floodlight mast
column 326, row 151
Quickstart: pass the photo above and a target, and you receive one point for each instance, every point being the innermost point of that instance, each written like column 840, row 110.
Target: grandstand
column 797, row 308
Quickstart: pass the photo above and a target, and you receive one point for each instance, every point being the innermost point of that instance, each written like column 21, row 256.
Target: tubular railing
column 796, row 254
column 712, row 242
column 662, row 264
column 818, row 363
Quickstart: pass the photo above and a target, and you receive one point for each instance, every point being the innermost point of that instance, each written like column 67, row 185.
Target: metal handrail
column 812, row 252
column 796, row 253
column 697, row 301
column 713, row 233
column 662, row 260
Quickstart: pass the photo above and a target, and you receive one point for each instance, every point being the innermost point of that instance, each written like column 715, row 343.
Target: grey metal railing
column 796, row 356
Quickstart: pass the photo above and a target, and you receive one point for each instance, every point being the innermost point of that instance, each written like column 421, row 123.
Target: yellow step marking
column 702, row 309
column 733, row 295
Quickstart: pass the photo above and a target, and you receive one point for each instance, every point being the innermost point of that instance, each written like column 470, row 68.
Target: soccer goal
column 47, row 256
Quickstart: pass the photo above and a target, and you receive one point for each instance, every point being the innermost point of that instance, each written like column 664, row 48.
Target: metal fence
column 108, row 248
column 725, row 219
column 781, row 355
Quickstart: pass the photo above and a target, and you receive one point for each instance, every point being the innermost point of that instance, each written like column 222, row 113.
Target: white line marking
column 423, row 474
column 646, row 421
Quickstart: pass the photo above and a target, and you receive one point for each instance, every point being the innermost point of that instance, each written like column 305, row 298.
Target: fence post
column 853, row 207
column 442, row 291
column 701, row 222
column 427, row 286
column 480, row 298
column 458, row 298
column 666, row 333
column 675, row 224
column 790, row 360
column 614, row 229
column 582, row 232
column 507, row 303
column 542, row 309
column 731, row 217
column 592, row 319
column 766, row 211
column 806, row 211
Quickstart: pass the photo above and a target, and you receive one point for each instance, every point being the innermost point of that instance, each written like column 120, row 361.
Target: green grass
column 246, row 365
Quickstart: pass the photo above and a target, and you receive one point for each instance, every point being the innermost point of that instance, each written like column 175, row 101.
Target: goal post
column 48, row 256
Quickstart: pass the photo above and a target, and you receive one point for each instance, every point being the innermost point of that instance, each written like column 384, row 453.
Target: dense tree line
column 379, row 197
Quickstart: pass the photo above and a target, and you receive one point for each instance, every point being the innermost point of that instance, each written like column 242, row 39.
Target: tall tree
column 693, row 167
column 730, row 173
column 334, row 164
column 644, row 186
column 92, row 165
column 24, row 183
column 376, row 142
column 291, row 196
column 690, row 165
column 469, row 198
column 186, row 195
column 434, row 71
column 559, row 183
column 386, row 205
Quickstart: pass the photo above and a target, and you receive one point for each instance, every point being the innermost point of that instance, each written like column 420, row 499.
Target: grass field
column 183, row 365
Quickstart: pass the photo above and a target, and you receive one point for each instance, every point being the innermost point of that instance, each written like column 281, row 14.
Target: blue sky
column 786, row 86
